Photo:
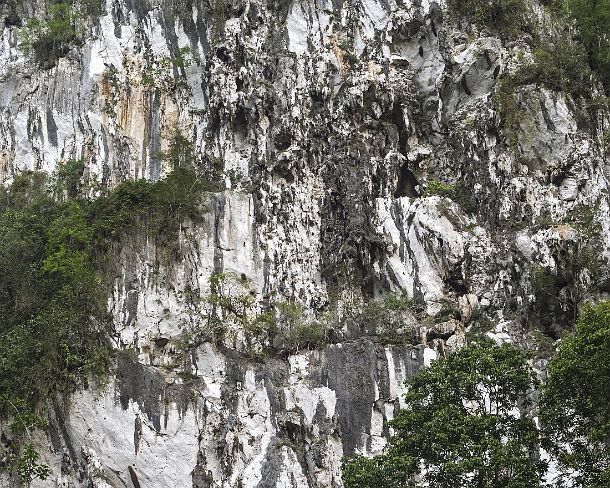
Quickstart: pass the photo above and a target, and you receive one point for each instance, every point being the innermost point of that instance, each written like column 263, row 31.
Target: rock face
column 332, row 122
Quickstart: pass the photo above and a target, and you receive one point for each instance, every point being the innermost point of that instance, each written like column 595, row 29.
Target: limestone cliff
column 334, row 124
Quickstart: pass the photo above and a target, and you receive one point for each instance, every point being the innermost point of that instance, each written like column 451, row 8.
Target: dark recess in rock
column 161, row 341
column 407, row 183
column 465, row 86
column 134, row 477
column 143, row 385
column 51, row 128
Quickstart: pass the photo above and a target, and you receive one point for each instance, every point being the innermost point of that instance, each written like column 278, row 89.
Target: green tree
column 575, row 402
column 22, row 457
column 465, row 425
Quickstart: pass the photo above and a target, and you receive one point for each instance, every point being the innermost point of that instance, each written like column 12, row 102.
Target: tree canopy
column 575, row 403
column 465, row 424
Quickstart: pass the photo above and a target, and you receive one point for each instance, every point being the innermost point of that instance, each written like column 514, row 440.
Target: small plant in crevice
column 435, row 187
column 507, row 106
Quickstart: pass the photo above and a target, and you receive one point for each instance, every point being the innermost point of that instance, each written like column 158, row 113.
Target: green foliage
column 67, row 180
column 507, row 105
column 20, row 456
column 163, row 70
column 163, row 204
column 592, row 18
column 459, row 427
column 546, row 287
column 458, row 193
column 560, row 65
column 27, row 466
column 47, row 296
column 566, row 62
column 580, row 270
column 435, row 187
column 390, row 319
column 54, row 333
column 231, row 295
column 181, row 155
column 284, row 327
column 306, row 335
column 391, row 471
column 294, row 331
column 52, row 37
column 508, row 18
column 479, row 325
column 227, row 309
column 288, row 329
column 575, row 403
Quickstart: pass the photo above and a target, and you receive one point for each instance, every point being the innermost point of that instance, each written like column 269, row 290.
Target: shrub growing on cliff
column 22, row 457
column 51, row 38
column 67, row 183
column 575, row 404
column 182, row 155
column 507, row 17
column 459, row 193
column 560, row 65
column 459, row 427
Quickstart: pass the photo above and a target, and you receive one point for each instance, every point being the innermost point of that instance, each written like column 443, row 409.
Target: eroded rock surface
column 330, row 121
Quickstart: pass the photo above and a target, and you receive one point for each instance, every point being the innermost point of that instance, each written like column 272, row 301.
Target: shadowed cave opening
column 407, row 183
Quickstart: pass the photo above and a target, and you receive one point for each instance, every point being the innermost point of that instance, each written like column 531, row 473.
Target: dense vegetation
column 575, row 405
column 507, row 18
column 54, row 333
column 459, row 426
column 592, row 19
column 468, row 419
